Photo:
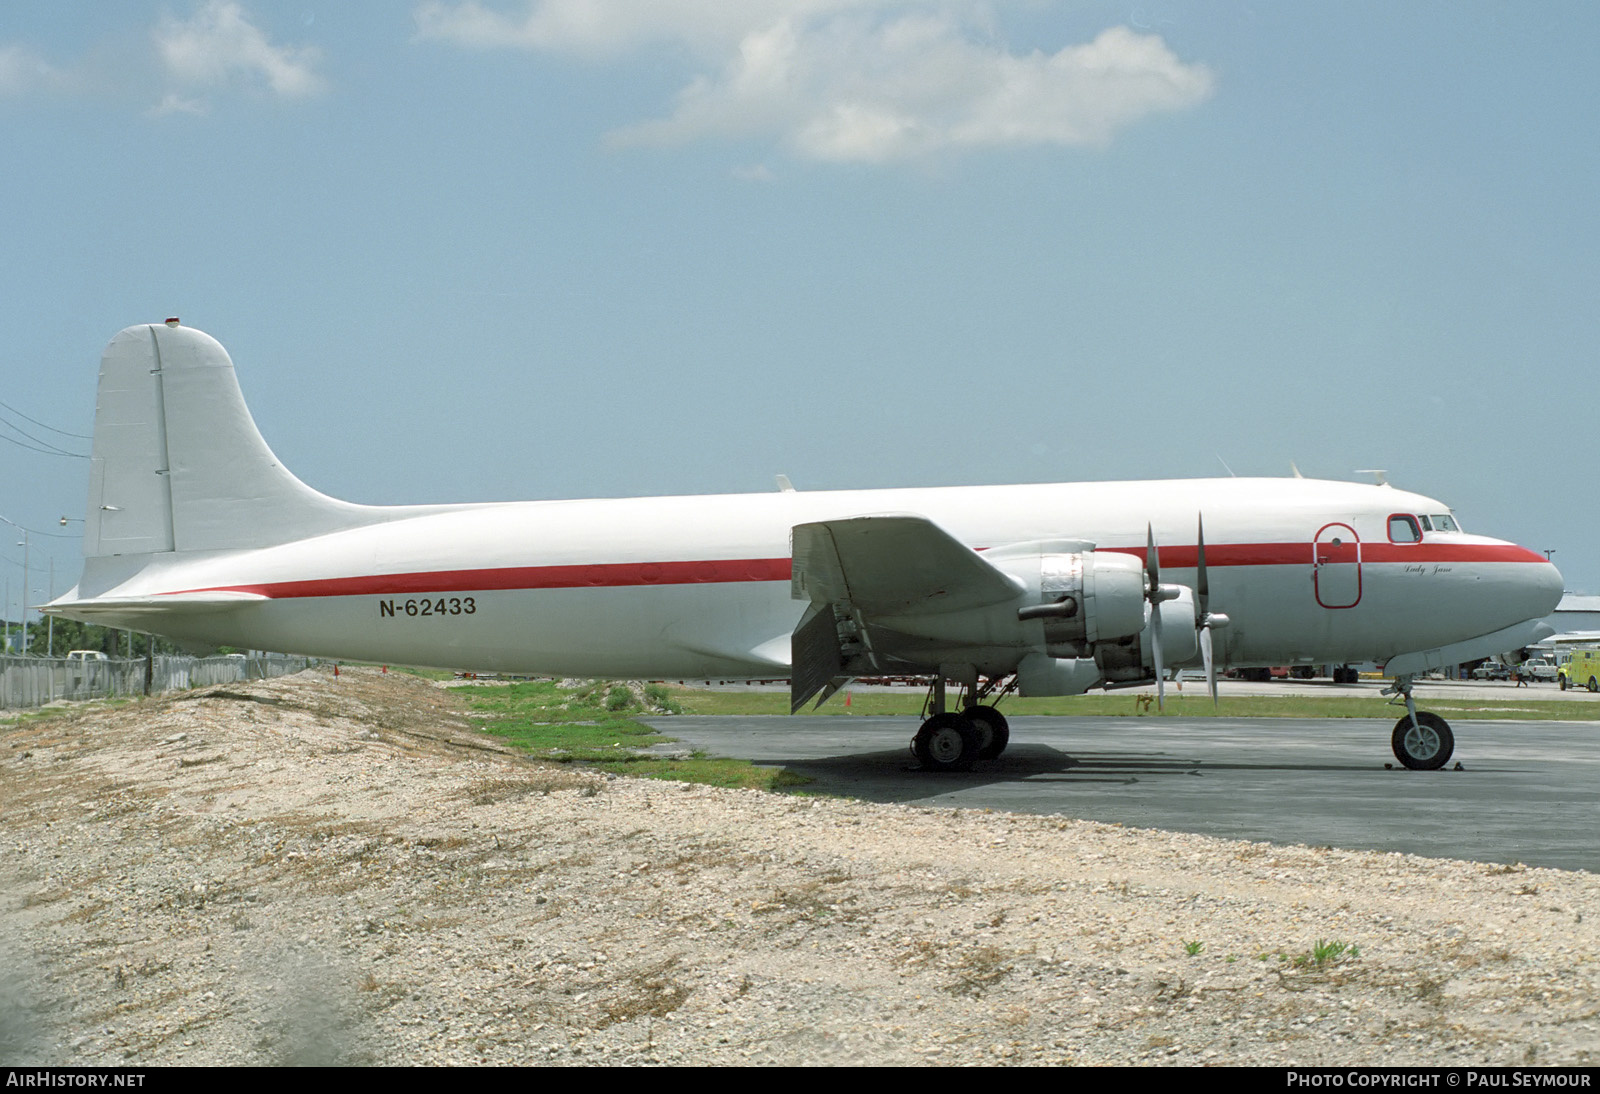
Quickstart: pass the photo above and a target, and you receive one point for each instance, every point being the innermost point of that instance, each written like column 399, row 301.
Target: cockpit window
column 1444, row 522
column 1427, row 524
column 1403, row 529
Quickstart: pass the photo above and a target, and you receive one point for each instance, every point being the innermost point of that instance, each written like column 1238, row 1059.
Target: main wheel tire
column 994, row 732
column 1593, row 684
column 946, row 742
column 1426, row 746
column 1562, row 681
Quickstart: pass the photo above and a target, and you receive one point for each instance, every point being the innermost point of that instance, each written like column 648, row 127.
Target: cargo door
column 1336, row 567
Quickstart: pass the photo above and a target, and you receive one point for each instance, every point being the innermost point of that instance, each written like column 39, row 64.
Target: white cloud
column 607, row 26
column 853, row 80
column 220, row 47
column 23, row 71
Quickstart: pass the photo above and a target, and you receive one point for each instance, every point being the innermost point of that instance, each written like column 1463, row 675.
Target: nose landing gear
column 1422, row 740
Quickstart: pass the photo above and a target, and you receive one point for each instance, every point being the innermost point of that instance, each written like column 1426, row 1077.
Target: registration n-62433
column 427, row 607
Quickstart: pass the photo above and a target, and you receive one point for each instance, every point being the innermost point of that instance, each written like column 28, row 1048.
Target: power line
column 48, row 449
column 41, row 425
column 36, row 532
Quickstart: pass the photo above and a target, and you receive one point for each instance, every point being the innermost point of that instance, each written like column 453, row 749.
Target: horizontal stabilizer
column 892, row 565
column 152, row 607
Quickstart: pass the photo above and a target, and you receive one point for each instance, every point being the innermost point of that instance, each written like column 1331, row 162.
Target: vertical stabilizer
column 178, row 464
column 130, row 498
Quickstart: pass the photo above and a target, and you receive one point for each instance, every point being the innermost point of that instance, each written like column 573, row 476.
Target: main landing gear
column 1422, row 740
column 954, row 741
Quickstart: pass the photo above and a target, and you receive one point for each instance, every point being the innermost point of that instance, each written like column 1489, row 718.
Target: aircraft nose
column 1544, row 589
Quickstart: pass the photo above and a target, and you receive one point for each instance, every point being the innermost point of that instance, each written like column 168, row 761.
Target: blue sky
column 509, row 250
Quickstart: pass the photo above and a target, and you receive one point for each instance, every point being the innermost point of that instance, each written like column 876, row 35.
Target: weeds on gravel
column 1323, row 953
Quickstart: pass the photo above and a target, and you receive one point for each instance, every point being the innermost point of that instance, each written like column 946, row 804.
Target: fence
column 35, row 681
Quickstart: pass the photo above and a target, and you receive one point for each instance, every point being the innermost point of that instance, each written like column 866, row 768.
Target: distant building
column 1576, row 614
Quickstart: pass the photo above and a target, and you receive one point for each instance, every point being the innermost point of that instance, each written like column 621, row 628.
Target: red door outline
column 1336, row 566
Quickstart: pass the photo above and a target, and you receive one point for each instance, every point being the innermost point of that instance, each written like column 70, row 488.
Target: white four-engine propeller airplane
column 195, row 531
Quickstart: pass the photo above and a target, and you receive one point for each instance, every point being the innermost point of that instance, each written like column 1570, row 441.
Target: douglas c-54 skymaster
column 195, row 531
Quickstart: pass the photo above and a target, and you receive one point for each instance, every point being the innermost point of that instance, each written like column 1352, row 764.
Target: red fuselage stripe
column 586, row 576
column 723, row 571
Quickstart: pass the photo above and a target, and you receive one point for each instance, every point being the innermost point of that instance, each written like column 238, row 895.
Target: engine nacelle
column 1039, row 674
column 1097, row 621
column 1133, row 659
column 1083, row 598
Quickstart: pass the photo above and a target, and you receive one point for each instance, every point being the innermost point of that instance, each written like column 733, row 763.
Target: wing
column 874, row 567
column 892, row 565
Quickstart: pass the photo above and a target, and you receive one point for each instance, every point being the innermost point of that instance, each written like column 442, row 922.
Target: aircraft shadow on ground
column 892, row 775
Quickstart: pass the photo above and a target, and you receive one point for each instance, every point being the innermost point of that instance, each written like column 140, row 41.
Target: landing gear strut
column 954, row 741
column 1422, row 740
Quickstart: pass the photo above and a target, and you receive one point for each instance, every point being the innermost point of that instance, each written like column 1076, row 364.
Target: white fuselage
column 684, row 587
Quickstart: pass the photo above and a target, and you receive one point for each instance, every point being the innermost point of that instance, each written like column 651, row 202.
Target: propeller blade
column 1155, row 643
column 1152, row 573
column 1202, row 588
column 1152, row 565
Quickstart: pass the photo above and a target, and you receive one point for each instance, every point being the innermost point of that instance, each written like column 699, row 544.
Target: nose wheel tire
column 946, row 742
column 1425, row 746
column 994, row 733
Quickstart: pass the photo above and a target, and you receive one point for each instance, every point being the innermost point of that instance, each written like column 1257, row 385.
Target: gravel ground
column 329, row 870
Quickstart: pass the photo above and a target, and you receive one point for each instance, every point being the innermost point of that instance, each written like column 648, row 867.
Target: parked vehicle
column 1538, row 668
column 1261, row 676
column 1579, row 669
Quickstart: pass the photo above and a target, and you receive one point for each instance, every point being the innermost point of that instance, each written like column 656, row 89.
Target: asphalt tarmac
column 1528, row 791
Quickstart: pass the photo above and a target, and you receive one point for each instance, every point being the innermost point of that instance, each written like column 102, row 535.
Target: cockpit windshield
column 1432, row 522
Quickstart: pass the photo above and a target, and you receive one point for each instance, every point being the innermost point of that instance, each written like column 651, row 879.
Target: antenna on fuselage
column 784, row 485
column 1224, row 464
column 1376, row 473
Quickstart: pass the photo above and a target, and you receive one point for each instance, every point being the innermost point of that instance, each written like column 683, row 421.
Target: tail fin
column 178, row 464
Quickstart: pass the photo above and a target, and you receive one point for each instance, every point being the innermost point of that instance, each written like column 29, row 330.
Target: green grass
column 593, row 724
column 1193, row 702
column 25, row 716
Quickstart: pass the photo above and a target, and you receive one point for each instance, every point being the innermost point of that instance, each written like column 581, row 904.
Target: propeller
column 1206, row 620
column 1155, row 593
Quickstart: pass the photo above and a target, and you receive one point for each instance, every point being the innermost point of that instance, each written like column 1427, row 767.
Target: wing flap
column 815, row 655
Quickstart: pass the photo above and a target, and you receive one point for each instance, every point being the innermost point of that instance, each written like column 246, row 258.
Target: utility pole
column 24, row 546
